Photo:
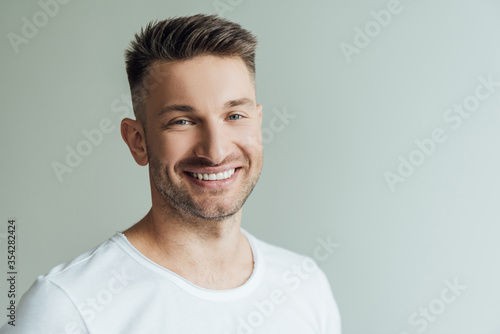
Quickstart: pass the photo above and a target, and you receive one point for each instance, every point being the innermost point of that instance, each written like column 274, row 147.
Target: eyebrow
column 188, row 108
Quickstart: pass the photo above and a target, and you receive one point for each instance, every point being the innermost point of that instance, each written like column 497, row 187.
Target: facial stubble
column 178, row 195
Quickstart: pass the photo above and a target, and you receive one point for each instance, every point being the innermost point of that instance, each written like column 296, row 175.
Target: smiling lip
column 214, row 184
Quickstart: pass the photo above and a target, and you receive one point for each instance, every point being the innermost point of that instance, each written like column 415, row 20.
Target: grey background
column 323, row 173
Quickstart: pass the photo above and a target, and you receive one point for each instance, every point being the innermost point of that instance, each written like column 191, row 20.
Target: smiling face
column 203, row 136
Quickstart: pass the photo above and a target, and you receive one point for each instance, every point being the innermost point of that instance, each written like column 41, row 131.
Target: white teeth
column 212, row 177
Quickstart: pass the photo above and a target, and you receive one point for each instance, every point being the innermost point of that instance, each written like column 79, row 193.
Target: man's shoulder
column 297, row 273
column 55, row 299
column 87, row 263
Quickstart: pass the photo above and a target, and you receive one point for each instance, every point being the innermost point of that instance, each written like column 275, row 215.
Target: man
column 187, row 266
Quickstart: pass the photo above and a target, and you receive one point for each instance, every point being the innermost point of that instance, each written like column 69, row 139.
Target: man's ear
column 133, row 135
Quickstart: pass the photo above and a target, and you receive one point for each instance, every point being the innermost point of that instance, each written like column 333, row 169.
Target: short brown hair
column 182, row 38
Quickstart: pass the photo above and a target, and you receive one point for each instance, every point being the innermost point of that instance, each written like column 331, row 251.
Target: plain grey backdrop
column 381, row 130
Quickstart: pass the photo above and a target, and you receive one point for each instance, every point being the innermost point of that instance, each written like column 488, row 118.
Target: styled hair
column 182, row 38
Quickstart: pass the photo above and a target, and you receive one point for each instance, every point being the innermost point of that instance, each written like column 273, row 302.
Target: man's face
column 202, row 118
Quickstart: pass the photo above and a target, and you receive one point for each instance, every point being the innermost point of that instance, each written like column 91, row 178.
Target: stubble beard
column 211, row 208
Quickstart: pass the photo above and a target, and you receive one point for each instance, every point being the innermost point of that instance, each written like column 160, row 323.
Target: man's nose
column 213, row 143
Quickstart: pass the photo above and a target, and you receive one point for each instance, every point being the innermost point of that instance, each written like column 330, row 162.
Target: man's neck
column 211, row 254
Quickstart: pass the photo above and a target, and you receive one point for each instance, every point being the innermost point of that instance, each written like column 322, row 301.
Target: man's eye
column 180, row 120
column 235, row 115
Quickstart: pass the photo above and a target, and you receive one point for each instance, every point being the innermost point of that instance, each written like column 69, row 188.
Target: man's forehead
column 201, row 77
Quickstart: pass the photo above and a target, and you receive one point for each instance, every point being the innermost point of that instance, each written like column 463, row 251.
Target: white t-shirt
column 116, row 289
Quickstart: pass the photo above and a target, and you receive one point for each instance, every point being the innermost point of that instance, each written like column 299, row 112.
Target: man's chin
column 213, row 214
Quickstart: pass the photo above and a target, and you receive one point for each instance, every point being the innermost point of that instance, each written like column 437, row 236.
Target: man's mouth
column 214, row 176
